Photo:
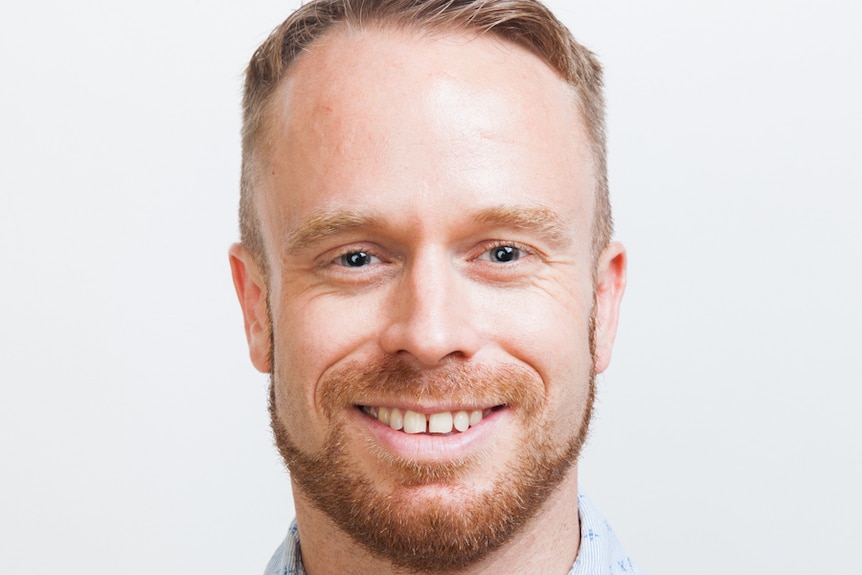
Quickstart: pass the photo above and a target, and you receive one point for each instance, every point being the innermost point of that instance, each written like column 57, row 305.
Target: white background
column 133, row 430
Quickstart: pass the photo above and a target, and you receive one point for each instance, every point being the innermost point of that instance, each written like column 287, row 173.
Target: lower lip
column 430, row 447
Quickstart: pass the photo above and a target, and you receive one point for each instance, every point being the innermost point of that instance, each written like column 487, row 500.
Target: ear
column 610, row 285
column 251, row 291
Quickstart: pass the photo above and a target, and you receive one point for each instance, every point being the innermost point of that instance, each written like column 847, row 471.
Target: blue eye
column 355, row 259
column 504, row 254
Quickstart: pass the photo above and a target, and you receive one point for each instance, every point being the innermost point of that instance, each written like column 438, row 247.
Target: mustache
column 457, row 383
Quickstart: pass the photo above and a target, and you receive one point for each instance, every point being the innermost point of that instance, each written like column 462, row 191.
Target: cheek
column 551, row 335
column 311, row 337
column 558, row 348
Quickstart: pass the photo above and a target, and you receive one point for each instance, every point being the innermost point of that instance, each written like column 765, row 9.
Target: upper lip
column 430, row 409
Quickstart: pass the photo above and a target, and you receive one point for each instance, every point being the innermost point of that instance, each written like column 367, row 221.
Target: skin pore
column 427, row 206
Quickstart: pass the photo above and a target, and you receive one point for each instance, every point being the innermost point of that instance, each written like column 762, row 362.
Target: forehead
column 363, row 111
column 371, row 74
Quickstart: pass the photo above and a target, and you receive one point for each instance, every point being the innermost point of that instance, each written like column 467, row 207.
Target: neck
column 548, row 543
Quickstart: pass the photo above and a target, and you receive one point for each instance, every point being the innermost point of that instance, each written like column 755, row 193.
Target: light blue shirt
column 600, row 552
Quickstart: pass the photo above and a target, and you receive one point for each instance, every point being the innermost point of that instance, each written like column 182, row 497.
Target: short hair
column 527, row 23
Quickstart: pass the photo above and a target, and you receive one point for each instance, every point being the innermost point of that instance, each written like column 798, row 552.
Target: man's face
column 427, row 208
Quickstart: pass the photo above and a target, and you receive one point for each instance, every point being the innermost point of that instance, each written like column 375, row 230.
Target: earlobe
column 251, row 291
column 610, row 285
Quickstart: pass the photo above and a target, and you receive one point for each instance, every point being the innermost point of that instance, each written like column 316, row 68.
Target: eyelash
column 343, row 258
column 340, row 258
column 339, row 263
column 522, row 250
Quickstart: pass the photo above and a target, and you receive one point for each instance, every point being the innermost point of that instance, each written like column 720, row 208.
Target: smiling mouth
column 441, row 423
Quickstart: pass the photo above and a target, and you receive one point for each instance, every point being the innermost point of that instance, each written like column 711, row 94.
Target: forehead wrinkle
column 542, row 221
column 323, row 224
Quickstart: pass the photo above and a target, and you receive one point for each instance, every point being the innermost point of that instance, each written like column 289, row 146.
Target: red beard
column 443, row 533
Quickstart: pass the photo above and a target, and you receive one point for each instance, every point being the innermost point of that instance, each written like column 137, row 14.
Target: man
column 426, row 272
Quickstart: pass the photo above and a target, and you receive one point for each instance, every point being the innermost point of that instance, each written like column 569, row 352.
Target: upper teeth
column 414, row 422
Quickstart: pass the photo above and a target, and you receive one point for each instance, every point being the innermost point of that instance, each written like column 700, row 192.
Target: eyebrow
column 537, row 220
column 324, row 224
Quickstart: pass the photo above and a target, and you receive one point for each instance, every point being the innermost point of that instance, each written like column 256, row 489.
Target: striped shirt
column 600, row 552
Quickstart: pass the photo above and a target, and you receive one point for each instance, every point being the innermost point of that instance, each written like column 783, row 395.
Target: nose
column 431, row 317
